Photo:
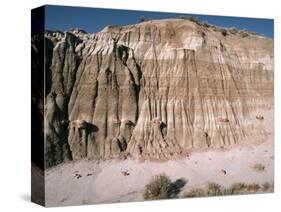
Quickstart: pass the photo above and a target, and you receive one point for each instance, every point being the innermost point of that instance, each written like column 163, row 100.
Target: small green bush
column 157, row 188
column 259, row 167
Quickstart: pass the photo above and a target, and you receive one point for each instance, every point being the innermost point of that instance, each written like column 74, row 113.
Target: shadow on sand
column 176, row 187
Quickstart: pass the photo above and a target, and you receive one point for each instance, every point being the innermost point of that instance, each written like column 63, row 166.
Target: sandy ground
column 87, row 182
column 104, row 182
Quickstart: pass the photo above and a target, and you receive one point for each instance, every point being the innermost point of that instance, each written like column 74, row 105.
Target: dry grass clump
column 259, row 167
column 214, row 189
column 253, row 187
column 237, row 188
column 196, row 192
column 267, row 187
column 234, row 189
column 242, row 188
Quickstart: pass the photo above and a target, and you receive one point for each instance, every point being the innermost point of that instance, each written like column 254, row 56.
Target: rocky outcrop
column 154, row 90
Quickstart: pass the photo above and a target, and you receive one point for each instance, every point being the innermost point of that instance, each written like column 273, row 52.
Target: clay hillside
column 154, row 90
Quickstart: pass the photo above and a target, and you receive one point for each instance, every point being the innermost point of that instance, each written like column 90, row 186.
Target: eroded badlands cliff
column 154, row 90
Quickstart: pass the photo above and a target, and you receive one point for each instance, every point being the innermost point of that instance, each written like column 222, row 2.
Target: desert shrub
column 267, row 187
column 253, row 187
column 157, row 188
column 242, row 188
column 223, row 31
column 196, row 192
column 161, row 187
column 237, row 188
column 213, row 189
column 259, row 167
column 226, row 192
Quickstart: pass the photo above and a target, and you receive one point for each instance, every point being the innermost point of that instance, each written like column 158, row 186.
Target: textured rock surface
column 154, row 90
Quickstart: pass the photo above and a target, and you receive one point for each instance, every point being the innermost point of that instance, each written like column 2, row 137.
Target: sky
column 95, row 19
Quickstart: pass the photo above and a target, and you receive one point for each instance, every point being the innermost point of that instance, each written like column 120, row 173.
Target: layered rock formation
column 154, row 90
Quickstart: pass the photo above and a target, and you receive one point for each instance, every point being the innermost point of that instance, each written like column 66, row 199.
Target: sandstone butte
column 153, row 90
